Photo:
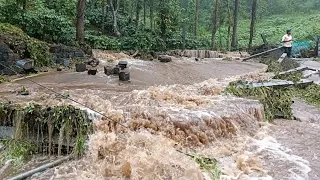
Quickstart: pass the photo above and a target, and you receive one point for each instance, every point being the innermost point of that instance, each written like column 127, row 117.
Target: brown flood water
column 185, row 78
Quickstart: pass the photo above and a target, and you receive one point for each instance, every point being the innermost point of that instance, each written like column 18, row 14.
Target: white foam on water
column 92, row 114
column 271, row 145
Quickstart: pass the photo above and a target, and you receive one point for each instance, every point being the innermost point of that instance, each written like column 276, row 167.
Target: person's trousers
column 288, row 51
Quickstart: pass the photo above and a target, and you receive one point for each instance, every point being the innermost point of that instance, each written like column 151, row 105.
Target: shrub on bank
column 24, row 45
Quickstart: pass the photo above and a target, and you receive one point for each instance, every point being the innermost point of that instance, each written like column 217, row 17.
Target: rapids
column 178, row 105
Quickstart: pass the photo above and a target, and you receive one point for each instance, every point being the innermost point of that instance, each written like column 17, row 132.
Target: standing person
column 287, row 43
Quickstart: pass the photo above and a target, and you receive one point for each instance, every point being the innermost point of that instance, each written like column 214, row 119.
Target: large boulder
column 164, row 58
column 7, row 58
column 61, row 52
column 17, row 44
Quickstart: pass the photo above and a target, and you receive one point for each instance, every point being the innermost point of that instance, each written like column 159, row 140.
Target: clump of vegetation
column 10, row 29
column 287, row 64
column 3, row 79
column 210, row 166
column 277, row 101
column 41, row 126
column 293, row 76
column 311, row 94
column 39, row 52
column 78, row 60
column 16, row 150
column 276, row 67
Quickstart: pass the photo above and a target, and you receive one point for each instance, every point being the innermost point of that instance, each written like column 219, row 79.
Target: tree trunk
column 80, row 20
column 144, row 12
column 104, row 12
column 253, row 19
column 114, row 9
column 197, row 19
column 24, row 5
column 151, row 14
column 184, row 24
column 229, row 25
column 137, row 15
column 234, row 42
column 131, row 11
column 215, row 21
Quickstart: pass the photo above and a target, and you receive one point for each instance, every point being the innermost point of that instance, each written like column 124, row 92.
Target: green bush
column 48, row 25
column 39, row 52
column 63, row 7
column 103, row 42
column 10, row 12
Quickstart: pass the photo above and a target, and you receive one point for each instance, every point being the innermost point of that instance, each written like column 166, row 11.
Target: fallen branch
column 41, row 168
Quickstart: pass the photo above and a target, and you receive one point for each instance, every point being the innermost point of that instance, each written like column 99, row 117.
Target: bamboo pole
column 259, row 54
column 41, row 168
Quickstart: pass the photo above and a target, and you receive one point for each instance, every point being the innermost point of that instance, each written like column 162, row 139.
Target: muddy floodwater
column 152, row 73
column 180, row 104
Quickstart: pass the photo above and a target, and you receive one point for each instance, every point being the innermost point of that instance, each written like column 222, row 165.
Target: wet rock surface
column 8, row 58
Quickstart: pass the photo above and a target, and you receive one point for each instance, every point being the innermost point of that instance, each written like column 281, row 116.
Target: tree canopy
column 154, row 25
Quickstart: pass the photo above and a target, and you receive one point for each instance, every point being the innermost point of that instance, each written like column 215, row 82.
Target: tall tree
column 234, row 42
column 229, row 24
column 132, row 5
column 138, row 8
column 215, row 23
column 80, row 20
column 197, row 19
column 104, row 13
column 114, row 5
column 163, row 18
column 253, row 19
column 184, row 6
column 151, row 14
column 144, row 12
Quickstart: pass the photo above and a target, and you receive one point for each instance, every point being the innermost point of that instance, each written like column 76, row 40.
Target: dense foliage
column 160, row 25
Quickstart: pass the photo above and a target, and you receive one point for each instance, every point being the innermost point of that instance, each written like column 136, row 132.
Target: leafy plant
column 310, row 94
column 39, row 52
column 48, row 25
column 16, row 150
column 276, row 101
column 210, row 166
column 3, row 79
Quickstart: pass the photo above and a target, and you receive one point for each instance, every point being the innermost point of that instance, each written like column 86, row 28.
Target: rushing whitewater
column 146, row 125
